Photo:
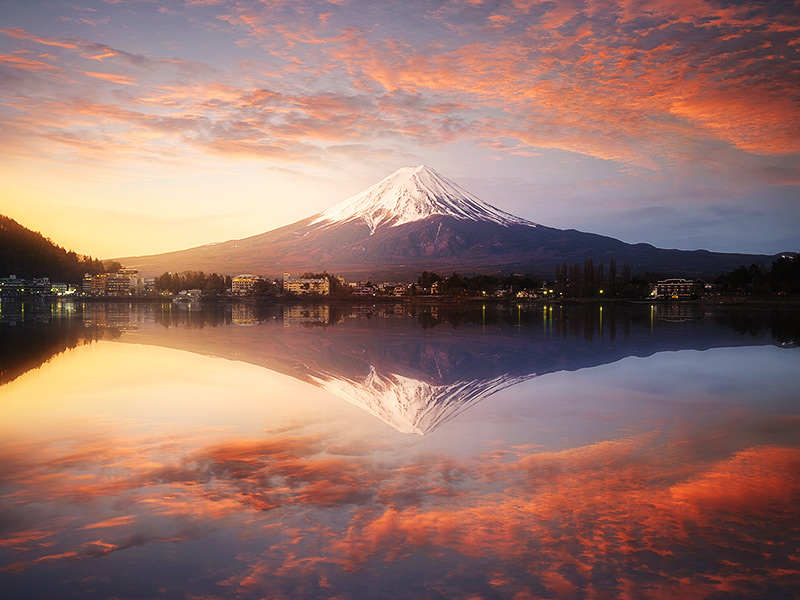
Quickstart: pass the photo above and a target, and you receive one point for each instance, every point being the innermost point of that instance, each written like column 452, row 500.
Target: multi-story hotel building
column 305, row 285
column 677, row 289
column 244, row 284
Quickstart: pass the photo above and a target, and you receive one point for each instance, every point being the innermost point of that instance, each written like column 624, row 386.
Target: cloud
column 113, row 522
column 22, row 34
column 26, row 64
column 663, row 97
column 635, row 82
column 110, row 77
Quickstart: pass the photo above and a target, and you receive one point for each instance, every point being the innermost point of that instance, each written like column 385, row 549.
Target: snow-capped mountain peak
column 411, row 194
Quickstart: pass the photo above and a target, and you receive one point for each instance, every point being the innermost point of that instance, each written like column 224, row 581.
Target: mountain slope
column 413, row 194
column 28, row 254
column 417, row 220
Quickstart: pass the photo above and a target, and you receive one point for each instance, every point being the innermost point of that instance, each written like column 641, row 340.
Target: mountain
column 413, row 194
column 417, row 220
column 28, row 254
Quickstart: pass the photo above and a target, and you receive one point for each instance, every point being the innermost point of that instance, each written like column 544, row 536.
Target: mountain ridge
column 415, row 219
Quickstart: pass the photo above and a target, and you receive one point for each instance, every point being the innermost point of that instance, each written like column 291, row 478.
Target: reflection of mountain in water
column 412, row 405
column 418, row 367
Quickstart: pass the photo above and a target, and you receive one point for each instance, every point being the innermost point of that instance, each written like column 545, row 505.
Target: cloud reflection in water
column 289, row 493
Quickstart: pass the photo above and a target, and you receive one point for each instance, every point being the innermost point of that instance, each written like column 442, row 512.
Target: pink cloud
column 113, row 522
column 26, row 64
column 22, row 34
column 613, row 80
column 110, row 77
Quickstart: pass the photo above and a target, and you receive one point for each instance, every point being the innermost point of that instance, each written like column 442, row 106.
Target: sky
column 133, row 127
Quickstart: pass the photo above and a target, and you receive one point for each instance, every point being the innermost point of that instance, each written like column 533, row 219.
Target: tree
column 428, row 279
column 574, row 282
column 783, row 278
column 784, row 275
column 612, row 278
column 599, row 282
column 588, row 286
column 215, row 284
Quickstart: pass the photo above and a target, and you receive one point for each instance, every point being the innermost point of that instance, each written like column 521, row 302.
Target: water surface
column 246, row 451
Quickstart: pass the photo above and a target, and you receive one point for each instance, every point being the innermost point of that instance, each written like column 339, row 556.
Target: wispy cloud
column 624, row 81
column 652, row 88
column 110, row 77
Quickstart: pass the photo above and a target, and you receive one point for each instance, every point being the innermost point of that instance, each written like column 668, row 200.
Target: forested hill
column 28, row 254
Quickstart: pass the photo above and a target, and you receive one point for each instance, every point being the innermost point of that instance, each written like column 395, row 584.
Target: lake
column 398, row 451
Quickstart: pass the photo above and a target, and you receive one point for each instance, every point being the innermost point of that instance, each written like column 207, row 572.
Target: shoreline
column 716, row 301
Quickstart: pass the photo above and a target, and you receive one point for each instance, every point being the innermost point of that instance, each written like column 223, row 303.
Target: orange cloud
column 107, row 54
column 21, row 34
column 20, row 62
column 113, row 522
column 110, row 77
column 743, row 118
column 617, row 80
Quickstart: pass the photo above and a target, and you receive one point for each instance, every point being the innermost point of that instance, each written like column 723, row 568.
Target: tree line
column 193, row 280
column 28, row 254
column 783, row 277
column 590, row 281
column 460, row 285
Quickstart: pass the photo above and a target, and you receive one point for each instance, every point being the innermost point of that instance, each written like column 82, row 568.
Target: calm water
column 152, row 451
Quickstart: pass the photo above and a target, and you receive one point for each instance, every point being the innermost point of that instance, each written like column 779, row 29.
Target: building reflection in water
column 243, row 313
column 303, row 314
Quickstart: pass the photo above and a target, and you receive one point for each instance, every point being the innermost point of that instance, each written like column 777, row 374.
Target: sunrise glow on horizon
column 144, row 126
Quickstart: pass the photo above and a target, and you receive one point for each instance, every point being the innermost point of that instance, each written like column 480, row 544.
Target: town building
column 363, row 290
column 11, row 286
column 306, row 285
column 117, row 285
column 243, row 285
column 125, row 282
column 94, row 285
column 678, row 289
column 135, row 283
column 61, row 289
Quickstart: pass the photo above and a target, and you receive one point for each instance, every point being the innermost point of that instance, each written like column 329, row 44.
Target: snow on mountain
column 412, row 194
column 412, row 405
